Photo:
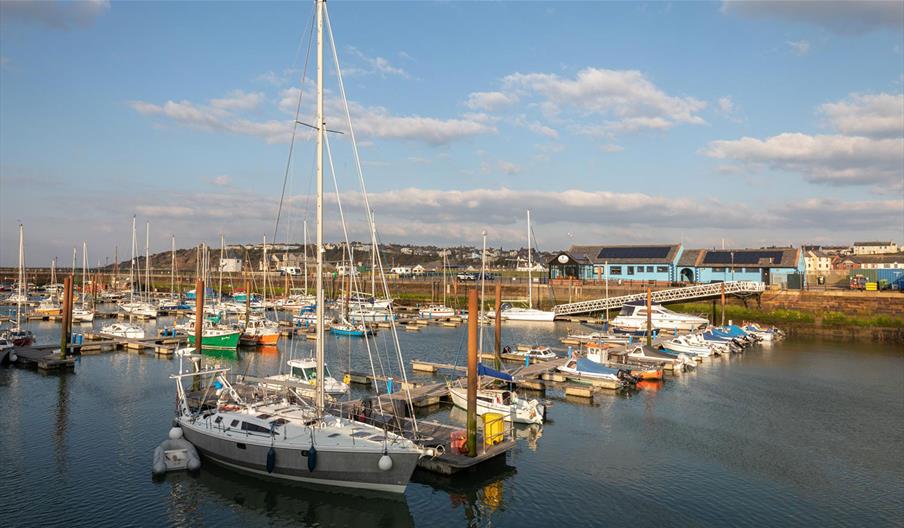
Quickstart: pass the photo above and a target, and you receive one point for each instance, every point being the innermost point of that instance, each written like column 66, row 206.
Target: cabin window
column 630, row 270
column 311, row 374
column 240, row 445
column 218, row 420
column 254, row 428
column 662, row 269
column 649, row 269
column 615, row 270
column 297, row 372
column 234, row 423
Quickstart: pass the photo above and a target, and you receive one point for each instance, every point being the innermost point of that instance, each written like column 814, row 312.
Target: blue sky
column 757, row 123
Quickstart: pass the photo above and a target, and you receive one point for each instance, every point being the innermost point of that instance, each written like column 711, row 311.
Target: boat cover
column 483, row 370
column 586, row 365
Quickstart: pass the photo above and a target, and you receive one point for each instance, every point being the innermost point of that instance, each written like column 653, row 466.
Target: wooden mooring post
column 497, row 332
column 472, row 372
column 67, row 316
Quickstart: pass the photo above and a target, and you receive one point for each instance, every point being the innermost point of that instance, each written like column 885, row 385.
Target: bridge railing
column 673, row 294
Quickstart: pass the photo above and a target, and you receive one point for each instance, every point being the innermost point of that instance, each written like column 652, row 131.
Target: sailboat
column 288, row 441
column 17, row 335
column 81, row 313
column 530, row 313
column 127, row 330
column 139, row 308
column 434, row 311
column 50, row 305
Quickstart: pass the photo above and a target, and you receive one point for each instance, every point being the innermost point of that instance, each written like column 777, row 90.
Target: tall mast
column 84, row 270
column 305, row 257
column 132, row 266
column 266, row 273
column 530, row 264
column 74, row 259
column 222, row 251
column 147, row 259
column 373, row 256
column 53, row 270
column 173, row 265
column 319, row 207
column 444, row 277
column 19, row 293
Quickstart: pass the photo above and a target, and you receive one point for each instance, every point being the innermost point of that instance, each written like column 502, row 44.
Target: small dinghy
column 175, row 454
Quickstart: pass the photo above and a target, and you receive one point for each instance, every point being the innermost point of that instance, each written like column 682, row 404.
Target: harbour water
column 799, row 433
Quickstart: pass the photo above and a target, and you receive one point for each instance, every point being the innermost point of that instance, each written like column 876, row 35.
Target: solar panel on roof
column 634, row 252
column 743, row 257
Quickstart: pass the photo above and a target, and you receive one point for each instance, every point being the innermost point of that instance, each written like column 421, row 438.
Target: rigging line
column 329, row 155
column 367, row 207
column 304, row 74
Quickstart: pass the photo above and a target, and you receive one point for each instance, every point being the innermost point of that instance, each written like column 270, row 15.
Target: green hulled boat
column 217, row 339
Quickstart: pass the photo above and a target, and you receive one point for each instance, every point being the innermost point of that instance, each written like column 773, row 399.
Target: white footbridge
column 662, row 296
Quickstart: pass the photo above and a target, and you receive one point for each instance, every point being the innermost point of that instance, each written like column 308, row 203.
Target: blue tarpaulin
column 487, row 371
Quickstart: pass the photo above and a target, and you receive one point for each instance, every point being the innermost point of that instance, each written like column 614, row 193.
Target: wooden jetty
column 43, row 358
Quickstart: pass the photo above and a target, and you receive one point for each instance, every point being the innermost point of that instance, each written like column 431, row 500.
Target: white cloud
column 490, row 101
column 799, row 47
column 611, row 149
column 832, row 159
column 728, row 109
column 224, row 115
column 56, row 14
column 222, row 180
column 874, row 115
column 849, row 17
column 625, row 99
column 238, row 100
column 372, row 65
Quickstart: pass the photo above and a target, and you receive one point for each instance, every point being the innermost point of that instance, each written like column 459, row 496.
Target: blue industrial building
column 674, row 264
column 643, row 263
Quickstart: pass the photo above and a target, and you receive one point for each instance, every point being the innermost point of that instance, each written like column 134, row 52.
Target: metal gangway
column 661, row 296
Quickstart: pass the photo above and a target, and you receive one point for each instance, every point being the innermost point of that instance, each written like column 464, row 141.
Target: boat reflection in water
column 479, row 495
column 282, row 503
column 650, row 385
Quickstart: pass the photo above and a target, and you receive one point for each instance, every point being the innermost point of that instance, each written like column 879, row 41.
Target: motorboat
column 215, row 338
column 139, row 309
column 582, row 369
column 435, row 311
column 648, row 354
column 682, row 345
column 305, row 371
column 527, row 314
column 260, row 331
column 535, row 353
column 345, row 328
column 123, row 330
column 48, row 306
column 633, row 318
column 506, row 402
column 765, row 334
column 294, row 442
column 600, row 354
column 82, row 315
column 358, row 315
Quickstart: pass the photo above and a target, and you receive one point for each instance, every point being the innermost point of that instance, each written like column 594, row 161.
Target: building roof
column 689, row 257
column 888, row 258
column 818, row 253
column 652, row 254
column 760, row 258
column 872, row 243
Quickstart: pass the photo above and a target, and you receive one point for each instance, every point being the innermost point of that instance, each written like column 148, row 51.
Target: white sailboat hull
column 527, row 314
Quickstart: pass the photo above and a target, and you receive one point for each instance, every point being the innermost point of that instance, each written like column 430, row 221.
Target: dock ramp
column 686, row 293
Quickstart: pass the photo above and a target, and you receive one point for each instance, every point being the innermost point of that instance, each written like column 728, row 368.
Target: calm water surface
column 801, row 433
